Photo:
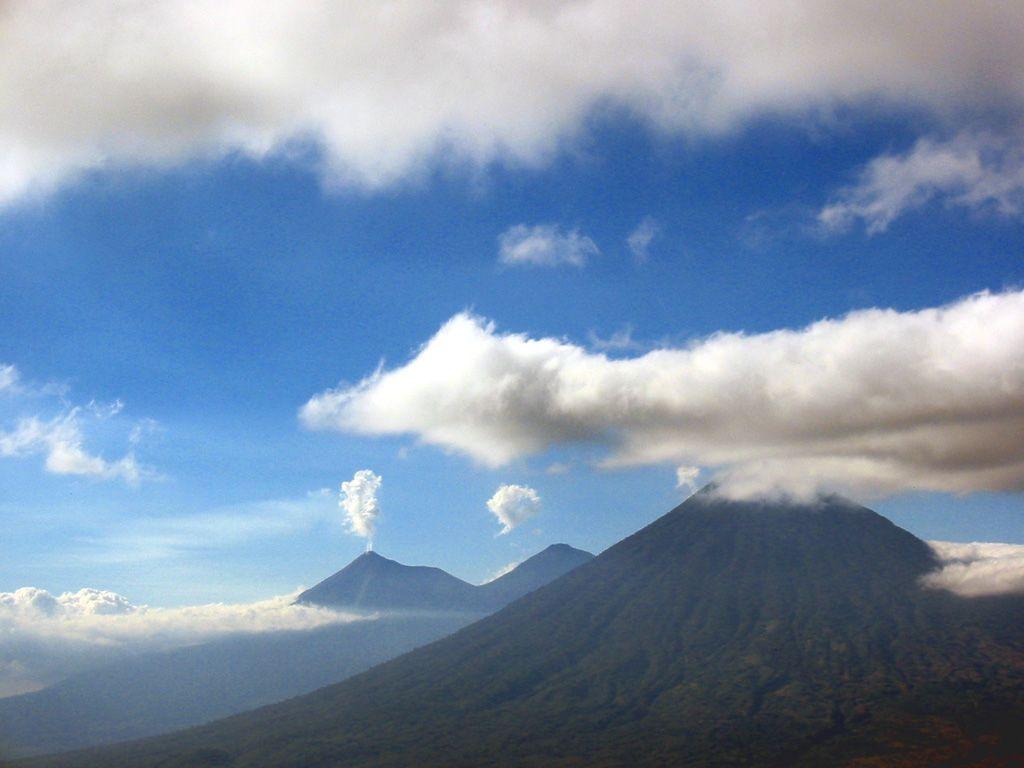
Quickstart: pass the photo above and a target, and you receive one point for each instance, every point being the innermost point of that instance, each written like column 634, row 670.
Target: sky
column 514, row 273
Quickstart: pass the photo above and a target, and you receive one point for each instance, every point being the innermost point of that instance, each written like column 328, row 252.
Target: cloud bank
column 45, row 637
column 359, row 503
column 977, row 569
column 513, row 505
column 974, row 171
column 388, row 91
column 878, row 400
column 544, row 245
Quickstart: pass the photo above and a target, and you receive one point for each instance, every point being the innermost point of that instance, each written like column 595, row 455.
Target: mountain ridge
column 157, row 692
column 374, row 582
column 724, row 632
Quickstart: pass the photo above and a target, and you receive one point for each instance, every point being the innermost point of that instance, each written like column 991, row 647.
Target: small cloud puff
column 686, row 477
column 544, row 245
column 513, row 505
column 639, row 240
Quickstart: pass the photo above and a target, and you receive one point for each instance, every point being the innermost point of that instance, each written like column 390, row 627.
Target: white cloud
column 60, row 441
column 877, row 400
column 389, row 90
column 686, row 477
column 544, row 245
column 620, row 341
column 503, row 571
column 639, row 240
column 513, row 505
column 978, row 568
column 59, row 436
column 359, row 502
column 8, row 378
column 44, row 637
column 973, row 170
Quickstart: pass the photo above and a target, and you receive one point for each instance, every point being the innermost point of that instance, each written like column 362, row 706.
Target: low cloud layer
column 977, row 569
column 973, row 171
column 359, row 503
column 45, row 637
column 513, row 505
column 389, row 91
column 544, row 245
column 878, row 400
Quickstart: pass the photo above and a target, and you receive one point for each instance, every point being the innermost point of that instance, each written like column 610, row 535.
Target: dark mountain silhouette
column 372, row 582
column 724, row 633
column 158, row 692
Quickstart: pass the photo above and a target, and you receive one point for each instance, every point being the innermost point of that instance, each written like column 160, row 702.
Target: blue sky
column 214, row 294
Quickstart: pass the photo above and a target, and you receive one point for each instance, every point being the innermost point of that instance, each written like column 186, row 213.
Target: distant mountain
column 543, row 568
column 158, row 692
column 372, row 582
column 724, row 633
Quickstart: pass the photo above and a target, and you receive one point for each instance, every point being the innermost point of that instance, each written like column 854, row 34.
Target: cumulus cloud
column 639, row 240
column 387, row 91
column 45, row 637
column 877, row 400
column 975, row 171
column 978, row 568
column 544, row 245
column 513, row 505
column 359, row 503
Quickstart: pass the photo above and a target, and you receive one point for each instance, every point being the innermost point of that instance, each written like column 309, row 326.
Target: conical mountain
column 533, row 573
column 724, row 633
column 373, row 582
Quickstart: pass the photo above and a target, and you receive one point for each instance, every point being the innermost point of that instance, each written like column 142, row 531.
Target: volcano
column 724, row 633
column 373, row 582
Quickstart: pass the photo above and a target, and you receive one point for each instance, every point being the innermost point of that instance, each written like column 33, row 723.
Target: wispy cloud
column 8, row 378
column 878, row 400
column 145, row 539
column 60, row 440
column 544, row 245
column 639, row 240
column 973, row 170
